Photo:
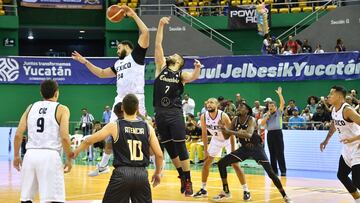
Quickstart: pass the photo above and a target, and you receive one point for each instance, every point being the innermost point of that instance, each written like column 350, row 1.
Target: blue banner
column 64, row 4
column 329, row 66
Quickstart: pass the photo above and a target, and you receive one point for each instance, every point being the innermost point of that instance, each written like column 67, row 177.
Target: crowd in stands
column 271, row 45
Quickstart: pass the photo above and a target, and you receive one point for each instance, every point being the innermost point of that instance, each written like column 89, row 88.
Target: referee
column 273, row 121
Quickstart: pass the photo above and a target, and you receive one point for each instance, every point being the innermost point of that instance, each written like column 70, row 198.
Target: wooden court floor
column 83, row 189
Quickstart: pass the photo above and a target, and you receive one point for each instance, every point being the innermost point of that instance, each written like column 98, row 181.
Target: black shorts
column 128, row 183
column 170, row 124
column 255, row 152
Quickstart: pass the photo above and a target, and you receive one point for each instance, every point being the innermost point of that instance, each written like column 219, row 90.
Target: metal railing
column 301, row 25
column 170, row 9
column 10, row 10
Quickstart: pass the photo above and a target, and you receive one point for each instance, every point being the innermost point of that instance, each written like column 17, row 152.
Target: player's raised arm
column 19, row 137
column 99, row 72
column 188, row 77
column 108, row 129
column 144, row 31
column 282, row 100
column 159, row 52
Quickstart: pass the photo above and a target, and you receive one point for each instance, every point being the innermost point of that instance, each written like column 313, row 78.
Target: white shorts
column 42, row 170
column 141, row 98
column 216, row 146
column 351, row 155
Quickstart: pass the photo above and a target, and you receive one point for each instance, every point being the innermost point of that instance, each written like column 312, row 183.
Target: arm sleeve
column 138, row 54
column 113, row 69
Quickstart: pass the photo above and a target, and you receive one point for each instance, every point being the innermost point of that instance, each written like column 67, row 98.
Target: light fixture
column 30, row 36
column 82, row 31
column 81, row 37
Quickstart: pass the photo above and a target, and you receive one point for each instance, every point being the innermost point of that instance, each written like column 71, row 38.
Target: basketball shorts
column 170, row 125
column 256, row 152
column 42, row 171
column 141, row 98
column 128, row 183
column 216, row 146
column 351, row 154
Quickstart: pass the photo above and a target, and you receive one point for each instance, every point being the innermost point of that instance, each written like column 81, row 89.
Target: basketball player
column 130, row 72
column 210, row 122
column 47, row 125
column 347, row 122
column 168, row 88
column 132, row 141
column 243, row 127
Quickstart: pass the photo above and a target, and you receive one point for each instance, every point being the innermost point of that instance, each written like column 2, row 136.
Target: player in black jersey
column 132, row 142
column 243, row 127
column 168, row 88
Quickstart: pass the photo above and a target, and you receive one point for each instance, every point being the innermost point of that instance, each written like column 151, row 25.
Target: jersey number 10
column 134, row 147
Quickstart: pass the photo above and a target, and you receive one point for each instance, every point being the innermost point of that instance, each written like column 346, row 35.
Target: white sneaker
column 222, row 196
column 287, row 200
column 99, row 170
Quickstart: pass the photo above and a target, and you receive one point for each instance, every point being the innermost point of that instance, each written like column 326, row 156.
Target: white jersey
column 42, row 126
column 212, row 125
column 130, row 76
column 346, row 130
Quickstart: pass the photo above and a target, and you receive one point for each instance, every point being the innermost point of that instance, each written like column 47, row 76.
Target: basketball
column 115, row 13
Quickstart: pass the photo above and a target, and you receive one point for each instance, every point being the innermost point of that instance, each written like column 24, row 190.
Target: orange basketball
column 115, row 13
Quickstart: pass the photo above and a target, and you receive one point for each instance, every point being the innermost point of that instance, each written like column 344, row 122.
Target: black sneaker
column 182, row 182
column 247, row 196
column 201, row 193
column 188, row 189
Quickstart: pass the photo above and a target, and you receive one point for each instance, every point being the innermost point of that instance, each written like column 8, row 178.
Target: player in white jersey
column 210, row 122
column 47, row 125
column 347, row 122
column 130, row 72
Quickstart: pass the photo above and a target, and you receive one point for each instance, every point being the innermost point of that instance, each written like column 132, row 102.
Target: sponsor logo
column 9, row 70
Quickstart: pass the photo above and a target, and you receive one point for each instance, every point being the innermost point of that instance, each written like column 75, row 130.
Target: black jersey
column 131, row 147
column 255, row 138
column 168, row 89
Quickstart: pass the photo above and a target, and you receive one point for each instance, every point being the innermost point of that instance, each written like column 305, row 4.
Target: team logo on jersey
column 9, row 70
column 165, row 101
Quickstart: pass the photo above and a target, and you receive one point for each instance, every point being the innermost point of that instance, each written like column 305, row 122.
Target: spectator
column 349, row 100
column 273, row 119
column 318, row 49
column 222, row 103
column 353, row 94
column 100, row 145
column 307, row 115
column 287, row 51
column 300, row 44
column 86, row 122
column 296, row 122
column 106, row 115
column 312, row 103
column 321, row 119
column 266, row 101
column 257, row 109
column 265, row 49
column 339, row 46
column 206, row 10
column 306, row 48
column 238, row 99
column 188, row 105
column 193, row 145
column 324, row 104
column 190, row 118
column 291, row 107
column 292, row 45
column 230, row 109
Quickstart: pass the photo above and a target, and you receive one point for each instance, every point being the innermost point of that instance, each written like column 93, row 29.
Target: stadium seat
column 331, row 7
column 2, row 12
column 132, row 5
column 192, row 9
column 284, row 10
column 194, row 13
column 302, row 3
column 307, row 9
column 235, row 2
column 123, row 1
column 223, row 3
column 134, row 1
column 295, row 10
column 193, row 3
column 121, row 4
column 319, row 8
column 274, row 10
column 246, row 2
column 269, row 1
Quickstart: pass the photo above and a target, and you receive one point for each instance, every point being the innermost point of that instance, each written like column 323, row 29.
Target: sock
column 180, row 171
column 245, row 188
column 226, row 188
column 282, row 192
column 203, row 185
column 104, row 160
column 187, row 175
column 90, row 153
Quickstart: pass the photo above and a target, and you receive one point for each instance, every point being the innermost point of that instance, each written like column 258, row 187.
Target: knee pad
column 170, row 148
column 182, row 151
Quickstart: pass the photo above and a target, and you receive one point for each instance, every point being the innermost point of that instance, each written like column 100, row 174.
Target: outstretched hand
column 76, row 56
column 279, row 91
column 197, row 64
column 164, row 20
